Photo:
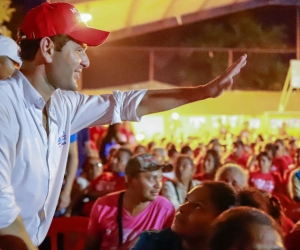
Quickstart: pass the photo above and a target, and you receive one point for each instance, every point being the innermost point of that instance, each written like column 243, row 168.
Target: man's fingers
column 235, row 68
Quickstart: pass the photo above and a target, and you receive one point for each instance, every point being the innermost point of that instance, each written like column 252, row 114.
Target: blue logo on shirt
column 62, row 140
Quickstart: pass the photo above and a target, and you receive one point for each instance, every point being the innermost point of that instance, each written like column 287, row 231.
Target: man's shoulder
column 109, row 199
column 163, row 203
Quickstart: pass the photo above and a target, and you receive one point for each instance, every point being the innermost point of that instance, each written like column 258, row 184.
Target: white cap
column 9, row 48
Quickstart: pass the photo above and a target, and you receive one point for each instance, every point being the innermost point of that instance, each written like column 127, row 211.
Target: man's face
column 119, row 161
column 93, row 168
column 7, row 67
column 194, row 217
column 66, row 66
column 147, row 184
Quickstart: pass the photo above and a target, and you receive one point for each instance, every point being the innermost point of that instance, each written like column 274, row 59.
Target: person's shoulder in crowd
column 163, row 203
column 164, row 239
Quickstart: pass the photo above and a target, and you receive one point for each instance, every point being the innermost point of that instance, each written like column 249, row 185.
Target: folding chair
column 73, row 230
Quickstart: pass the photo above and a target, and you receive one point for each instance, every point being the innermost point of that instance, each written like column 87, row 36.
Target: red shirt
column 265, row 181
column 109, row 182
column 279, row 165
column 242, row 160
column 204, row 176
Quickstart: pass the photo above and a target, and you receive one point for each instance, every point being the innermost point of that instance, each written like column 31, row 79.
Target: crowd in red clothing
column 263, row 166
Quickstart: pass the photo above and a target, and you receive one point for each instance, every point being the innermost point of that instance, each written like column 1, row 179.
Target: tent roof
column 126, row 18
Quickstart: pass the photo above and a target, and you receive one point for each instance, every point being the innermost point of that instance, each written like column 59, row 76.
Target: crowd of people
column 57, row 159
column 262, row 179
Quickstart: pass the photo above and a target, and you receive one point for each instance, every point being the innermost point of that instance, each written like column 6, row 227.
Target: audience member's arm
column 168, row 191
column 166, row 99
column 72, row 165
column 92, row 242
column 17, row 228
column 295, row 187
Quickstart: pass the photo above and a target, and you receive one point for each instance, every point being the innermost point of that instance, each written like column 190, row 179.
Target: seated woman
column 191, row 226
column 176, row 190
column 247, row 229
column 210, row 166
column 234, row 175
column 264, row 178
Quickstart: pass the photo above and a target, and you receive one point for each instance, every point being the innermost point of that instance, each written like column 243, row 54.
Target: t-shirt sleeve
column 93, row 110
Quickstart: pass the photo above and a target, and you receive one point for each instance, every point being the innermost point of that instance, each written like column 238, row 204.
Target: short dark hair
column 185, row 149
column 126, row 150
column 232, row 228
column 280, row 141
column 263, row 154
column 222, row 195
column 29, row 48
column 273, row 148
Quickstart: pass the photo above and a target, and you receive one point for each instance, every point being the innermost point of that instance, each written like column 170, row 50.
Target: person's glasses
column 97, row 164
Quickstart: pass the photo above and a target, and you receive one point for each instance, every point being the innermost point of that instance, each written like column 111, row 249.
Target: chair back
column 72, row 230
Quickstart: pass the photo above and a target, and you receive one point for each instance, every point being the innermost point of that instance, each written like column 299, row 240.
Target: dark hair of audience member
column 186, row 150
column 218, row 191
column 260, row 199
column 232, row 230
column 12, row 242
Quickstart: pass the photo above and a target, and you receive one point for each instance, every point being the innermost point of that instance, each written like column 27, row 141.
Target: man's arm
column 72, row 165
column 17, row 228
column 165, row 99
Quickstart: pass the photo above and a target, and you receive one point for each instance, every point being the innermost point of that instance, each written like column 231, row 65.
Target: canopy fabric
column 126, row 18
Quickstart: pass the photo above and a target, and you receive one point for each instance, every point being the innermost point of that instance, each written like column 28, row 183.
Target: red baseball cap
column 60, row 18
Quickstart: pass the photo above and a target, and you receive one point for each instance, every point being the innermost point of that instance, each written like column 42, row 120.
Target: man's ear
column 47, row 49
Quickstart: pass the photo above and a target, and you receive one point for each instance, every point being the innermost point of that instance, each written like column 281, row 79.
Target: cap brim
column 90, row 36
column 165, row 168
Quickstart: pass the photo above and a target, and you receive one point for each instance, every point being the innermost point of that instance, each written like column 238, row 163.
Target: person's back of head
column 261, row 200
column 12, row 242
column 245, row 228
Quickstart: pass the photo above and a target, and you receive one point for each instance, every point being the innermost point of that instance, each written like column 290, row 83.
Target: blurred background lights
column 175, row 116
column 140, row 137
column 86, row 17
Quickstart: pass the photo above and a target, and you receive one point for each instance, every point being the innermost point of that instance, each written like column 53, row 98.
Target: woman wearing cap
column 191, row 226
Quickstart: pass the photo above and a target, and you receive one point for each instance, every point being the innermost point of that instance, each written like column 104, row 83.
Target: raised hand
column 216, row 86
